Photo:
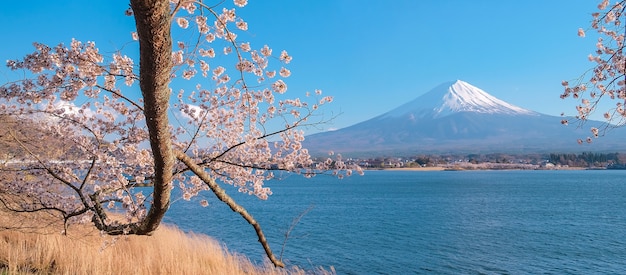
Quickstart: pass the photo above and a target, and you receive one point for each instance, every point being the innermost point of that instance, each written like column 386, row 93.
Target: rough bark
column 153, row 21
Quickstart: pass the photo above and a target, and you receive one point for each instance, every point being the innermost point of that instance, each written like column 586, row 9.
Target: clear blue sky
column 372, row 56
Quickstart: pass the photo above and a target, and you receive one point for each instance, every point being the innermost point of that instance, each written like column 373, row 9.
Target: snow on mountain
column 455, row 97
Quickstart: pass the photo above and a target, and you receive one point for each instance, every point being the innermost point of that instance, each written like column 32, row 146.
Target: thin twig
column 294, row 222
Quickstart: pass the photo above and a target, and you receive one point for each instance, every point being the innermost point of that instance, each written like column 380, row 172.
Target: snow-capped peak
column 462, row 96
column 454, row 97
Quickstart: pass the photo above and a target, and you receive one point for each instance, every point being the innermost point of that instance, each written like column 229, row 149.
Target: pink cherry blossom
column 604, row 81
column 182, row 22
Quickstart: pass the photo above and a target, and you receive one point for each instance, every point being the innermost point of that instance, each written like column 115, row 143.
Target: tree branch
column 221, row 195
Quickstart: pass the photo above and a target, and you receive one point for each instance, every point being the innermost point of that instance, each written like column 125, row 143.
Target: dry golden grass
column 84, row 251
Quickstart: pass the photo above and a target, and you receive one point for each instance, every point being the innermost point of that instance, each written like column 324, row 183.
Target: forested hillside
column 22, row 138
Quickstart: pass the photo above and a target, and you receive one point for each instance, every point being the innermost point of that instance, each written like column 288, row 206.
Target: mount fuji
column 455, row 97
column 456, row 117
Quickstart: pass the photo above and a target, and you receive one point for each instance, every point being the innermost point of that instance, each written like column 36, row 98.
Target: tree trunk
column 153, row 21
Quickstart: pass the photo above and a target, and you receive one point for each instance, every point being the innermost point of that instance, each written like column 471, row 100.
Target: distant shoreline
column 441, row 168
column 435, row 168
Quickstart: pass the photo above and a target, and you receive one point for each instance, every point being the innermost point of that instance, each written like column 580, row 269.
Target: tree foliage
column 219, row 130
column 606, row 81
column 585, row 159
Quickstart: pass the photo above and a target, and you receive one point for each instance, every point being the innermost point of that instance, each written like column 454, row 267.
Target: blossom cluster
column 232, row 118
column 607, row 79
column 72, row 94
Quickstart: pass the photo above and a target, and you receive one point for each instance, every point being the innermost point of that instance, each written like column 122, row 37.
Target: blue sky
column 372, row 56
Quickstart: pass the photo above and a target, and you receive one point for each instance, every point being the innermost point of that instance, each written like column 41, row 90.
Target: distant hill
column 19, row 135
column 456, row 117
column 12, row 128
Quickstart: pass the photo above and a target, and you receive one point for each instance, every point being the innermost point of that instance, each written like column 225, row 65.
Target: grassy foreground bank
column 85, row 251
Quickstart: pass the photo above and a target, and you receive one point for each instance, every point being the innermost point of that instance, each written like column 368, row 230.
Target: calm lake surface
column 438, row 222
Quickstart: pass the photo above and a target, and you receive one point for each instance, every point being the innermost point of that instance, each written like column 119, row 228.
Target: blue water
column 444, row 222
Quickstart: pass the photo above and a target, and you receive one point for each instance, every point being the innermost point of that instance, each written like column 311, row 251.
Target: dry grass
column 84, row 251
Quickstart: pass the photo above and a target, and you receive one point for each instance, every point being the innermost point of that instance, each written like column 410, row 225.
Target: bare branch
column 221, row 195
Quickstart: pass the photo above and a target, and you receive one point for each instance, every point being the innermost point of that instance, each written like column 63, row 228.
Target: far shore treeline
column 583, row 159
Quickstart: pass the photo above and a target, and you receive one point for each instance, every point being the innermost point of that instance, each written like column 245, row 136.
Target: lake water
column 443, row 222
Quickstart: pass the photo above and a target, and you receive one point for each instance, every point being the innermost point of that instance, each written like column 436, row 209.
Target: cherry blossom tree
column 163, row 133
column 606, row 81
